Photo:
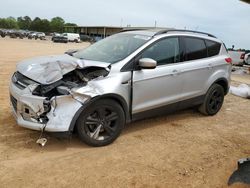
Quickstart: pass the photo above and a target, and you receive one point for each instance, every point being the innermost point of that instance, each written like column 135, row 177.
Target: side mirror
column 147, row 63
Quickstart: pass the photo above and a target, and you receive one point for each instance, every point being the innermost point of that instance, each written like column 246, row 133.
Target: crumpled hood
column 49, row 69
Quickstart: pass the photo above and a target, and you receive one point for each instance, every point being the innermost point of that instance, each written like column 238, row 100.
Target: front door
column 155, row 88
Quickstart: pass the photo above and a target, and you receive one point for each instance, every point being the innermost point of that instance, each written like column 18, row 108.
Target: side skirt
column 168, row 109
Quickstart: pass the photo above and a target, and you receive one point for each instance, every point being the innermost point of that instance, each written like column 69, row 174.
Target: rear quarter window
column 213, row 48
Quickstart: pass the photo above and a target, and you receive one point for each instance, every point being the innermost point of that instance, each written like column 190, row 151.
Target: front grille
column 13, row 102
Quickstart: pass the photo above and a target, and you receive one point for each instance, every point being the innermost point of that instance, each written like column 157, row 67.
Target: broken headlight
column 21, row 81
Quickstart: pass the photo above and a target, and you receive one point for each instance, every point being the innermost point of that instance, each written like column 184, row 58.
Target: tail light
column 242, row 56
column 229, row 60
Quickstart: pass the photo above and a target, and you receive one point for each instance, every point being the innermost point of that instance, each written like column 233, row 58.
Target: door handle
column 126, row 82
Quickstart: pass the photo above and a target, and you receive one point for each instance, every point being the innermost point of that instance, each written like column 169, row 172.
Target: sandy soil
column 184, row 149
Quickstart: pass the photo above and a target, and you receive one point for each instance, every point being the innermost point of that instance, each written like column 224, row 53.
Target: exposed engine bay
column 75, row 78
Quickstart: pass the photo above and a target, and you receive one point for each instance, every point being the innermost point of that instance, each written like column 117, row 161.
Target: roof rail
column 133, row 29
column 182, row 30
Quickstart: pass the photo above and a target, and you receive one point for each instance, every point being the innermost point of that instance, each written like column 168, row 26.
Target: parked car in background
column 54, row 35
column 86, row 38
column 59, row 38
column 37, row 35
column 40, row 35
column 247, row 59
column 31, row 35
column 237, row 57
column 125, row 77
column 72, row 37
column 2, row 33
column 24, row 33
column 16, row 34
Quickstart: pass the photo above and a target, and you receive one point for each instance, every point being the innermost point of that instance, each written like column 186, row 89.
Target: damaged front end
column 48, row 102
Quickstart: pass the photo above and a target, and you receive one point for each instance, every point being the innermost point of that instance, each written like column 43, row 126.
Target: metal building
column 93, row 31
column 99, row 32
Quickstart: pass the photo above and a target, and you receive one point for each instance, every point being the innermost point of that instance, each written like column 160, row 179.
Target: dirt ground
column 185, row 149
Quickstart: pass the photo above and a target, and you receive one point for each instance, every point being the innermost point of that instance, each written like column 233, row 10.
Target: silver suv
column 125, row 77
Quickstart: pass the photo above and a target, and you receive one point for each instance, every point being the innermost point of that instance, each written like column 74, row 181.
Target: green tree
column 3, row 23
column 35, row 24
column 70, row 25
column 57, row 24
column 24, row 22
column 44, row 26
column 8, row 23
column 12, row 22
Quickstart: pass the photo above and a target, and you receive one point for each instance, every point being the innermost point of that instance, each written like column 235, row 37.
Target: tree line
column 56, row 24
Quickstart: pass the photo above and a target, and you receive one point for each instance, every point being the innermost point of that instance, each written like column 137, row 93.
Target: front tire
column 100, row 123
column 213, row 100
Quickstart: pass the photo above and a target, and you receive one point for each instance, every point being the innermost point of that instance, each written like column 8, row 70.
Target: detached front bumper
column 32, row 112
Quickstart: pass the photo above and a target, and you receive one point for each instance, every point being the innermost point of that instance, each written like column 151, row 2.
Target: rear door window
column 213, row 48
column 195, row 48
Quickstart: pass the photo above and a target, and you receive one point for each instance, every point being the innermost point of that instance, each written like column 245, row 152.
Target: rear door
column 197, row 67
column 160, row 86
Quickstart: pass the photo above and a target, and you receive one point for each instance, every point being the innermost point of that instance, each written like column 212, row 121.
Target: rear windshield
column 113, row 49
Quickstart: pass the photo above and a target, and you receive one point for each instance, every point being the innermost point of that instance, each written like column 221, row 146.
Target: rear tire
column 100, row 123
column 213, row 100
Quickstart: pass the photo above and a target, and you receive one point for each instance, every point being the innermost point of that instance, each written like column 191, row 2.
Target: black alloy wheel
column 101, row 123
column 213, row 100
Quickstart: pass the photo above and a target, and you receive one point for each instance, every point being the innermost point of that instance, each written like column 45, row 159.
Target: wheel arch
column 120, row 100
column 224, row 83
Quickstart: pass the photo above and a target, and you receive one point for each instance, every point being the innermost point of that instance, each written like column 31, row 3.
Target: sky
column 229, row 20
